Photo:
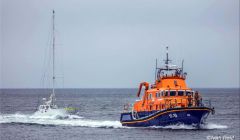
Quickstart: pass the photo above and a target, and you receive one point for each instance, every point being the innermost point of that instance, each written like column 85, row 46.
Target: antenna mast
column 182, row 66
column 156, row 71
column 167, row 60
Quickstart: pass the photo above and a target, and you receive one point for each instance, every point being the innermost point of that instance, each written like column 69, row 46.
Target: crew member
column 189, row 100
column 197, row 98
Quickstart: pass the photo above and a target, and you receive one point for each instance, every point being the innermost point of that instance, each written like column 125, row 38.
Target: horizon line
column 121, row 88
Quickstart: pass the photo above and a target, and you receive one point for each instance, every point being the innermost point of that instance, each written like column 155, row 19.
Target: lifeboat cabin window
column 158, row 94
column 166, row 93
column 150, row 96
column 188, row 93
column 172, row 93
column 180, row 93
column 162, row 92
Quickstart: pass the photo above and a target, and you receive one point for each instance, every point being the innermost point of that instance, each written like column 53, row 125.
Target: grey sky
column 113, row 44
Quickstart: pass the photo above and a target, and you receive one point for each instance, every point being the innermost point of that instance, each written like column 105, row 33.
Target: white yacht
column 49, row 104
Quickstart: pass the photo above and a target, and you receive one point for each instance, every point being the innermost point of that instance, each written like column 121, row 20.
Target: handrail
column 126, row 107
column 206, row 103
column 146, row 84
column 169, row 103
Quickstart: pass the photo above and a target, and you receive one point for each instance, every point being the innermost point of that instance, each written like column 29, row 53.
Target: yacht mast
column 53, row 66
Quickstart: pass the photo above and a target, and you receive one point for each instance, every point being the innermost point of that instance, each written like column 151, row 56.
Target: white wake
column 207, row 126
column 59, row 117
column 213, row 126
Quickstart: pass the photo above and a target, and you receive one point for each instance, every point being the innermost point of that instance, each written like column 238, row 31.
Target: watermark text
column 224, row 137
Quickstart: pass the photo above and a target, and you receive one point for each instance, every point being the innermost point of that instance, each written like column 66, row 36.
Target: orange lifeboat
column 168, row 101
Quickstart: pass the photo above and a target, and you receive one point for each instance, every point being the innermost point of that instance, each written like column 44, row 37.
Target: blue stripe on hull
column 167, row 117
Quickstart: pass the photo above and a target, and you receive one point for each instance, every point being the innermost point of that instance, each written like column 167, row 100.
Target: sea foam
column 60, row 117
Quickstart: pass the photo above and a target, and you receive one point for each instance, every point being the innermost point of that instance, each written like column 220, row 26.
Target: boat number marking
column 173, row 115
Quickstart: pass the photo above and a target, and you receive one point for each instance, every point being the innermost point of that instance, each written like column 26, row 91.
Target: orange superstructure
column 169, row 91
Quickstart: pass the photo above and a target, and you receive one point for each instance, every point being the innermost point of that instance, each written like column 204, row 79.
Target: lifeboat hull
column 188, row 116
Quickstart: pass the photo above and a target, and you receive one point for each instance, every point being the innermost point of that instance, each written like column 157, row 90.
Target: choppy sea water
column 98, row 116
